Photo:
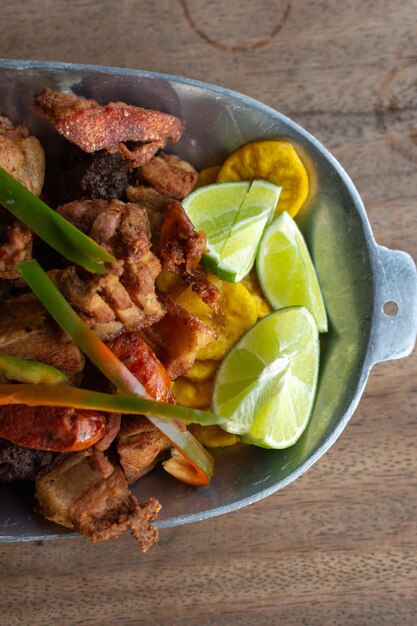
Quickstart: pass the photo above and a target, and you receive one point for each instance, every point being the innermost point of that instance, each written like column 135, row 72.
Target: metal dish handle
column 395, row 327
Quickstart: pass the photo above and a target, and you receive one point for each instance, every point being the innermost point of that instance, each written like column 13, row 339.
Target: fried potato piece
column 237, row 314
column 213, row 436
column 207, row 176
column 252, row 285
column 275, row 161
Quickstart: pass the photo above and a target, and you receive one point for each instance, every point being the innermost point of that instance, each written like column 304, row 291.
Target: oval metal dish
column 357, row 276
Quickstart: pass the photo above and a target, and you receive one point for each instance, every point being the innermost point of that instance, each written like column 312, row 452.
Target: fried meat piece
column 181, row 250
column 22, row 155
column 140, row 446
column 126, row 294
column 169, row 175
column 155, row 204
column 56, row 429
column 140, row 359
column 27, row 331
column 21, row 463
column 15, row 244
column 94, row 127
column 177, row 337
column 88, row 493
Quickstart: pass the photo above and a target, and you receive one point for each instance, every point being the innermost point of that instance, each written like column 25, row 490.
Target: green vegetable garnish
column 51, row 395
column 51, row 227
column 26, row 371
column 112, row 367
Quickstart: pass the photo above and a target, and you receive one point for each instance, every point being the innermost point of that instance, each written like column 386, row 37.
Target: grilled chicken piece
column 27, row 331
column 181, row 250
column 21, row 463
column 22, row 156
column 127, row 294
column 169, row 175
column 51, row 428
column 140, row 446
column 86, row 492
column 94, row 127
column 177, row 337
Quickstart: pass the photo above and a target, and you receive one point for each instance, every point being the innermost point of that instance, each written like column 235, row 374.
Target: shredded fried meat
column 87, row 492
column 177, row 337
column 15, row 245
column 181, row 250
column 93, row 127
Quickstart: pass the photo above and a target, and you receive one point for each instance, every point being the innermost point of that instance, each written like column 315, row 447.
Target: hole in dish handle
column 395, row 311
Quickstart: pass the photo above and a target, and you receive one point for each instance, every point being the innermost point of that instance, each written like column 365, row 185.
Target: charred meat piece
column 100, row 175
column 21, row 155
column 177, row 337
column 51, row 428
column 88, row 493
column 26, row 331
column 140, row 446
column 181, row 250
column 94, row 127
column 20, row 463
column 169, row 175
column 139, row 358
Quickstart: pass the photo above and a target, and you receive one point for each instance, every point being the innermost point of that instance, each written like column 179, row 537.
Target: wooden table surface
column 338, row 546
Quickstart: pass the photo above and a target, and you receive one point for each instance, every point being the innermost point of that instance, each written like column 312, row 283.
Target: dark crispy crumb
column 20, row 463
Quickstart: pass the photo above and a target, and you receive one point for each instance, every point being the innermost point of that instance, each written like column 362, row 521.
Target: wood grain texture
column 339, row 546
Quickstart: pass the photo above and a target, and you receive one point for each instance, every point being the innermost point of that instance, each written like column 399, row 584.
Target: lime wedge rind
column 286, row 272
column 266, row 385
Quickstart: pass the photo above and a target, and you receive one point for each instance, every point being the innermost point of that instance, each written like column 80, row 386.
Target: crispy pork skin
column 93, row 127
column 90, row 494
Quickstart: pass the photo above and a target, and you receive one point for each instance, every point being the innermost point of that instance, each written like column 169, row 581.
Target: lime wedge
column 239, row 251
column 266, row 384
column 213, row 209
column 286, row 272
column 233, row 217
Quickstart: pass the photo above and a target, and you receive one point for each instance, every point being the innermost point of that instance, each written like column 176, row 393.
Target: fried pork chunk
column 88, row 493
column 140, row 446
column 169, row 175
column 177, row 337
column 94, row 127
column 22, row 156
column 124, row 297
column 27, row 331
column 181, row 250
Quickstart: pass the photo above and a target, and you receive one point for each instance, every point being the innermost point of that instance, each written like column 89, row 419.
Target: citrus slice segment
column 213, row 209
column 266, row 384
column 239, row 251
column 276, row 161
column 286, row 272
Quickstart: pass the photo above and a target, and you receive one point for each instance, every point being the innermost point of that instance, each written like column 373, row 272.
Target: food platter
column 357, row 276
